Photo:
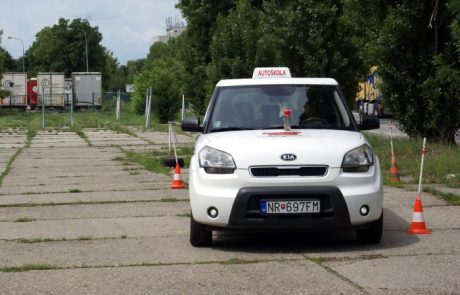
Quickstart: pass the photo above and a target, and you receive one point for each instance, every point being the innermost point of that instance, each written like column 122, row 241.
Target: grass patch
column 80, row 133
column 450, row 198
column 24, row 219
column 150, row 163
column 27, row 205
column 442, row 161
column 169, row 200
column 74, row 190
column 38, row 240
column 119, row 158
column 84, row 238
column 8, row 166
column 28, row 267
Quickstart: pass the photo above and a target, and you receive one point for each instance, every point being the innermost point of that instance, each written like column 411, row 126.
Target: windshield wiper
column 230, row 129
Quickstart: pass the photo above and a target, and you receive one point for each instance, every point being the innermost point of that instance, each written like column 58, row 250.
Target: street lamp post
column 86, row 47
column 23, row 57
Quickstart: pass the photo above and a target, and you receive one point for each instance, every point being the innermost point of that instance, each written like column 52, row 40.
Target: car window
column 261, row 107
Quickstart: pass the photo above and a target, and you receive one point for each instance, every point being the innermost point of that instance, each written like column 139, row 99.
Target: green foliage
column 441, row 160
column 420, row 77
column 61, row 48
column 314, row 41
column 201, row 19
column 165, row 74
column 454, row 7
column 233, row 47
column 229, row 41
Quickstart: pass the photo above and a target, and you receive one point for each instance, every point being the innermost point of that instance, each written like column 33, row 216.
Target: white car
column 260, row 164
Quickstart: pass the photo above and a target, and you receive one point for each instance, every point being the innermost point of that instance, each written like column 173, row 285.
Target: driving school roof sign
column 271, row 73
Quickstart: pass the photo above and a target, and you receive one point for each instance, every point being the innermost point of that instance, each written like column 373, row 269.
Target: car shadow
column 394, row 236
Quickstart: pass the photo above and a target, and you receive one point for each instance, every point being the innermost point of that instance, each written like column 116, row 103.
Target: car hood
column 265, row 147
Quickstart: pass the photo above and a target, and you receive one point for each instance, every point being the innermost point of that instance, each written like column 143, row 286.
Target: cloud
column 127, row 27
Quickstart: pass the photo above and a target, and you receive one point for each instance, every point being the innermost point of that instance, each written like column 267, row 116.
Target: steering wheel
column 314, row 122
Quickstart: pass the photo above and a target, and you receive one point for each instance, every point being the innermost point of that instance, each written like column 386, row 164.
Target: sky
column 127, row 26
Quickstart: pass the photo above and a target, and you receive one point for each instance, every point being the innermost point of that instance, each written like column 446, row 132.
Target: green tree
column 420, row 76
column 454, row 7
column 3, row 93
column 311, row 38
column 164, row 72
column 61, row 48
column 234, row 44
column 9, row 63
column 201, row 19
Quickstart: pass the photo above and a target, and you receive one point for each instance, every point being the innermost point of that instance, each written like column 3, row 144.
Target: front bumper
column 246, row 209
column 237, row 198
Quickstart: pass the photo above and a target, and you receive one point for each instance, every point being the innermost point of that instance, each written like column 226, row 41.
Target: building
column 173, row 29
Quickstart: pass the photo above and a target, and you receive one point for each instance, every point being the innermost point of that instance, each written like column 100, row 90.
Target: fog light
column 364, row 210
column 212, row 212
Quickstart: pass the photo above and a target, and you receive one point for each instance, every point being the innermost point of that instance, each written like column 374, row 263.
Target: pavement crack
column 320, row 262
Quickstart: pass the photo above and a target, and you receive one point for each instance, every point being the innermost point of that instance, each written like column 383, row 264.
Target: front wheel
column 200, row 236
column 371, row 235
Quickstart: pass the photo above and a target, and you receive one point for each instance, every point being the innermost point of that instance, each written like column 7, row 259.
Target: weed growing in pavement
column 450, row 198
column 80, row 133
column 39, row 240
column 24, row 219
column 84, row 238
column 119, row 158
column 27, row 267
column 74, row 190
column 9, row 164
column 150, row 163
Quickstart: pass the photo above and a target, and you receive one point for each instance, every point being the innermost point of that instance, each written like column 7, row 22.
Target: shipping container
column 32, row 92
column 51, row 89
column 87, row 89
column 16, row 84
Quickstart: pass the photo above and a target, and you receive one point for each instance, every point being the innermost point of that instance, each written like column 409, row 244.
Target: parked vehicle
column 369, row 100
column 16, row 84
column 87, row 89
column 51, row 89
column 277, row 153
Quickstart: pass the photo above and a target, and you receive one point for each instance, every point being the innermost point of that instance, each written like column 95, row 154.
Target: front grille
column 288, row 171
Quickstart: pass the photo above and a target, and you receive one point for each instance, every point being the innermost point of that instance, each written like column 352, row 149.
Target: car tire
column 170, row 161
column 371, row 235
column 200, row 236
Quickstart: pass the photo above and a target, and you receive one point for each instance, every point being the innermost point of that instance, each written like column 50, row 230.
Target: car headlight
column 358, row 159
column 215, row 161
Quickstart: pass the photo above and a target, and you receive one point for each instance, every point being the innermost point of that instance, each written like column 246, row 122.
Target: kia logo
column 288, row 157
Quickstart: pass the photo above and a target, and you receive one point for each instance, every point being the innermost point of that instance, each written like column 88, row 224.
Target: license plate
column 289, row 207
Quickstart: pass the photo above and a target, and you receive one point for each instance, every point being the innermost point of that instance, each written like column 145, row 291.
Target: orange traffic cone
column 394, row 174
column 177, row 180
column 418, row 220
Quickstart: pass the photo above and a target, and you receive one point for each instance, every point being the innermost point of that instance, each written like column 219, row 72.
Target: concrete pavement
column 85, row 224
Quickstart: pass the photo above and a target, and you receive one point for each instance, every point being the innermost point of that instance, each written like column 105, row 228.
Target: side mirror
column 191, row 124
column 369, row 122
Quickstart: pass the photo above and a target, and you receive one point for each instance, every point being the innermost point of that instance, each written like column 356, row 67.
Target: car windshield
column 262, row 106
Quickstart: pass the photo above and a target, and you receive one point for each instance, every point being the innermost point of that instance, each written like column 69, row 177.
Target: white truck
column 51, row 89
column 16, row 85
column 262, row 163
column 87, row 89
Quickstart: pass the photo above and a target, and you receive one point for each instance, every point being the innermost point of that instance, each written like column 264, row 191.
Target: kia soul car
column 277, row 153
